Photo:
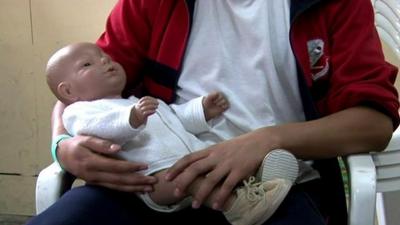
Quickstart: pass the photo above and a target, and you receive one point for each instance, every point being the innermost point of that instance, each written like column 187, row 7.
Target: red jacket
column 149, row 37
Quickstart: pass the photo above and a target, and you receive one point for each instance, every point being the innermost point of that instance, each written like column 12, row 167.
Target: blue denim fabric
column 100, row 206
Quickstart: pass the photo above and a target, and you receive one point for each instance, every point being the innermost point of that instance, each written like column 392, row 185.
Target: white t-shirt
column 243, row 50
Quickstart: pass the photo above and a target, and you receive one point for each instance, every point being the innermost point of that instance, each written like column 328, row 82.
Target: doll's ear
column 65, row 91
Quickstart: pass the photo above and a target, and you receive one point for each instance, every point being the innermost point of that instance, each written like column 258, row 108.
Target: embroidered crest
column 319, row 62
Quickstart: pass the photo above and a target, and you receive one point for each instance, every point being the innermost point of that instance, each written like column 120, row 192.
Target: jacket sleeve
column 360, row 74
column 126, row 38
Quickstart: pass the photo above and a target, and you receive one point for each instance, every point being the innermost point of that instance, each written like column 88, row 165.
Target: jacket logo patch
column 319, row 62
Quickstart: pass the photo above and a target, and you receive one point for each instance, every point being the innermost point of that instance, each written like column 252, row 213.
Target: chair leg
column 380, row 209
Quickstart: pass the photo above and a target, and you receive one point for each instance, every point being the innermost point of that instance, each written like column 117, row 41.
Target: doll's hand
column 214, row 105
column 145, row 107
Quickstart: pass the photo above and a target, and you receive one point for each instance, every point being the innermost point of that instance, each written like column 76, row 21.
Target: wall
column 31, row 30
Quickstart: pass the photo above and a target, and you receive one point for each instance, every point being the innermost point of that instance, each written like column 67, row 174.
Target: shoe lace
column 254, row 190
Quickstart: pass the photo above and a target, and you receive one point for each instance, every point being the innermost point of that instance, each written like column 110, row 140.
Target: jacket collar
column 297, row 7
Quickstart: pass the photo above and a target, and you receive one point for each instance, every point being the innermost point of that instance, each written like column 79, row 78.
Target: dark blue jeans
column 88, row 205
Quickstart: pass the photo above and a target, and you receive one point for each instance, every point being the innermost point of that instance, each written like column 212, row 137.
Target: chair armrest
column 362, row 176
column 51, row 184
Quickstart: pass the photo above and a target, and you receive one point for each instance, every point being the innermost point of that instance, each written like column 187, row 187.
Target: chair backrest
column 387, row 21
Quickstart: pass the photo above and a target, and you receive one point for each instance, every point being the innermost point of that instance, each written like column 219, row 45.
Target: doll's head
column 83, row 72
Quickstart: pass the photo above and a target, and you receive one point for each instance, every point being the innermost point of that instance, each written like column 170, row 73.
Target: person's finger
column 183, row 163
column 189, row 175
column 131, row 179
column 225, row 190
column 210, row 181
column 99, row 145
column 100, row 169
column 105, row 164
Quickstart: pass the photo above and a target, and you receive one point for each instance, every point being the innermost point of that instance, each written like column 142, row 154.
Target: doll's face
column 91, row 73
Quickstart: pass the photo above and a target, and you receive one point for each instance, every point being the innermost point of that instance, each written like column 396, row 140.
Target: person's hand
column 145, row 107
column 225, row 164
column 86, row 157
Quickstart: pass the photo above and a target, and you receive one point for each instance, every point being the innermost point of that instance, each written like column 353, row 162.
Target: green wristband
column 54, row 145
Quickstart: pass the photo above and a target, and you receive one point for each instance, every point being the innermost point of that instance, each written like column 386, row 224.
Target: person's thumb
column 101, row 146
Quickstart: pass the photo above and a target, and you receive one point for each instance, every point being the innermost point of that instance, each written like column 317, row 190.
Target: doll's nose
column 105, row 60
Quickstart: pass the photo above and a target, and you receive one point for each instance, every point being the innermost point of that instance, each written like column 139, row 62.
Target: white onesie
column 160, row 143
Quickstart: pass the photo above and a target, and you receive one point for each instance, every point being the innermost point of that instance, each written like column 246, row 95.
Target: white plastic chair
column 370, row 174
column 387, row 21
column 51, row 184
column 373, row 174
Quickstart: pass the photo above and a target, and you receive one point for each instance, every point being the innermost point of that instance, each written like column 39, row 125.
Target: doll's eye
column 87, row 64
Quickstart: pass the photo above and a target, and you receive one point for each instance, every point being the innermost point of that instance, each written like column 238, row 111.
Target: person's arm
column 56, row 120
column 358, row 77
column 86, row 157
column 357, row 129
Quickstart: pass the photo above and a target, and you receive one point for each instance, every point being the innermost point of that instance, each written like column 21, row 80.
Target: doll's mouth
column 111, row 70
